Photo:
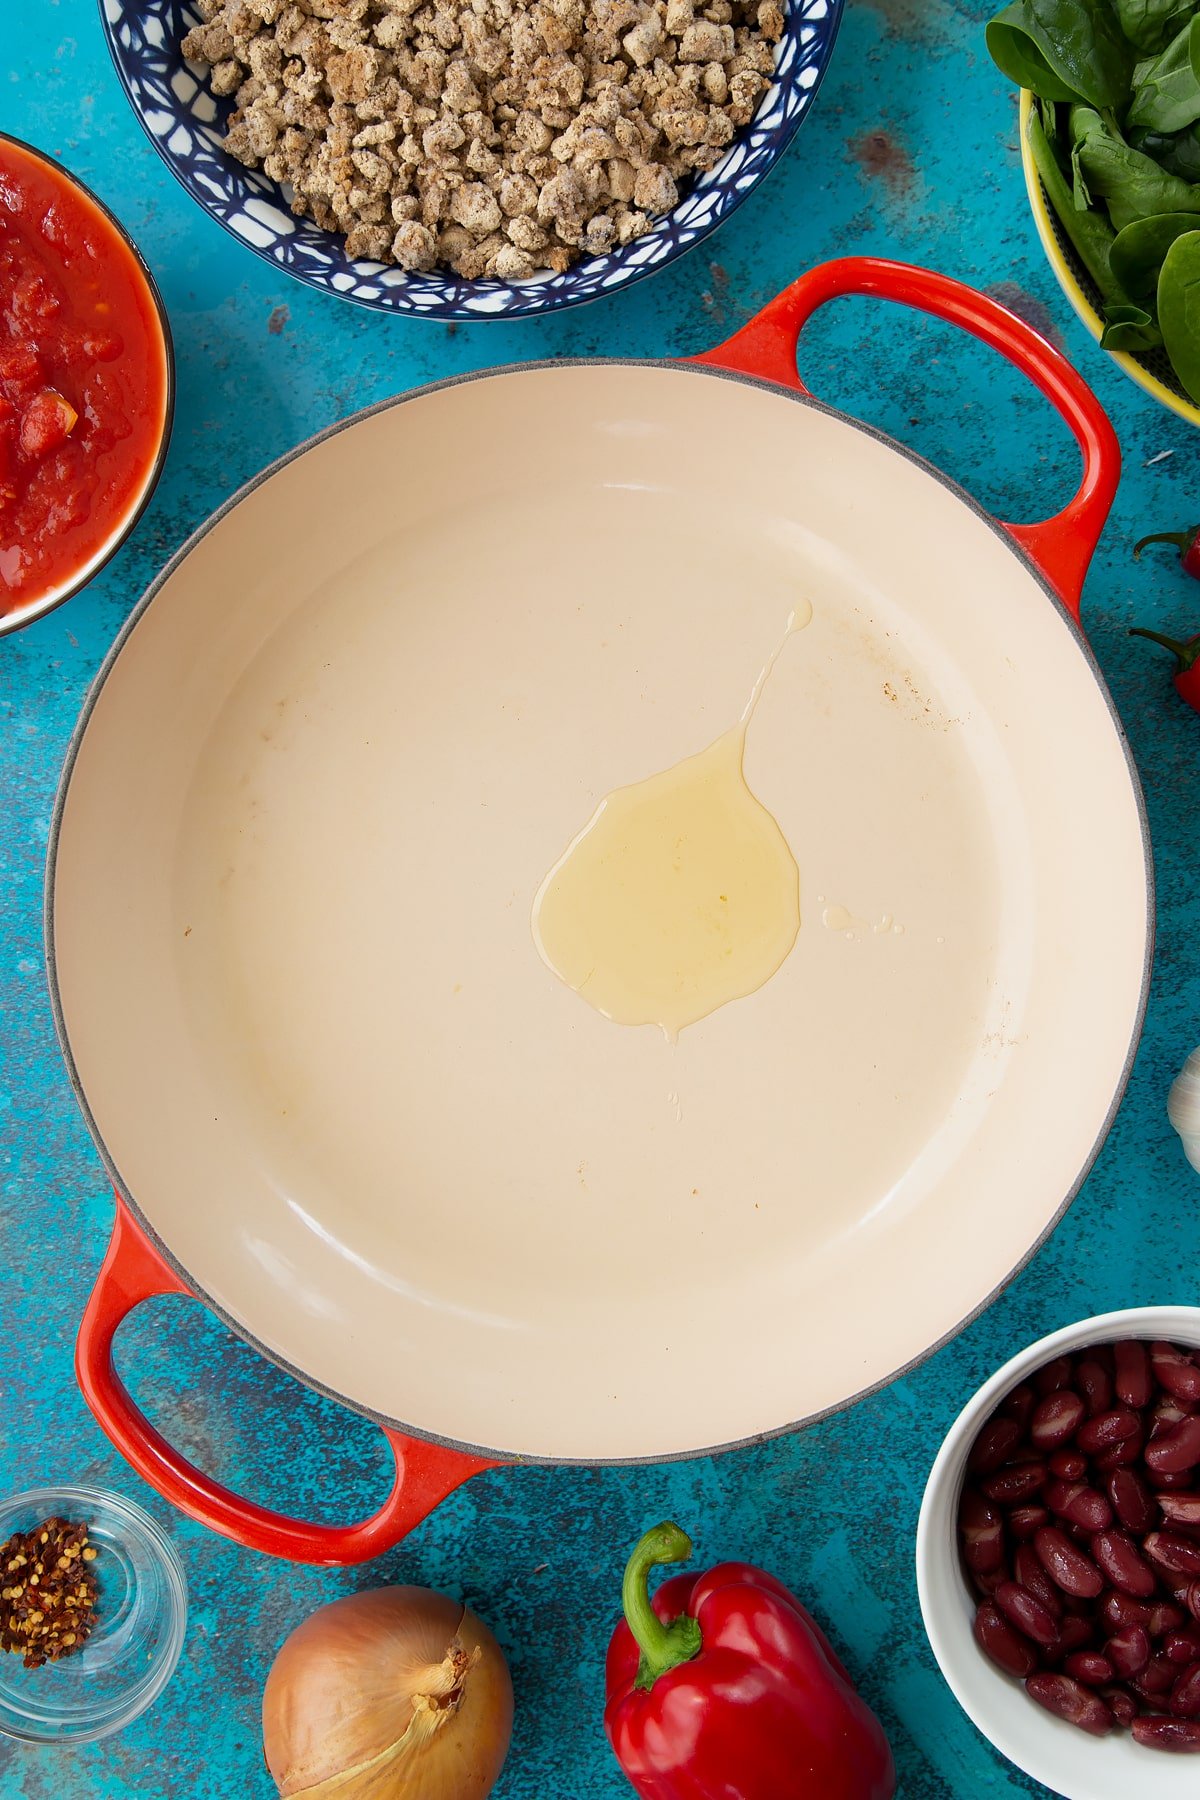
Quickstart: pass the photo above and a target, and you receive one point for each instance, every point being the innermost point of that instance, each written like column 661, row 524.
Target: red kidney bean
column 1089, row 1666
column 1079, row 1505
column 1165, row 1416
column 1026, row 1612
column 1182, row 1647
column 1006, row 1647
column 1107, row 1429
column 981, row 1531
column 1054, row 1375
column 1056, row 1419
column 1023, row 1521
column 1119, row 1611
column 1131, row 1363
column 1175, row 1371
column 1163, row 1617
column 1164, row 1481
column 1132, row 1501
column 1177, row 1449
column 987, row 1584
column 1029, row 1574
column 1188, row 1595
column 1177, row 1554
column 1184, row 1702
column 1120, row 1456
column 1059, row 1494
column 1067, row 1465
column 1161, row 1733
column 1019, row 1481
column 1129, row 1651
column 1181, row 1509
column 1074, row 1633
column 1068, row 1700
column 995, row 1444
column 1157, row 1678
column 1095, row 1384
column 1123, row 1563
column 1066, row 1565
column 1019, row 1405
column 1123, row 1706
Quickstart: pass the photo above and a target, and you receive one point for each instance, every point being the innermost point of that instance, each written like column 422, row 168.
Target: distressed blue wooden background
column 911, row 151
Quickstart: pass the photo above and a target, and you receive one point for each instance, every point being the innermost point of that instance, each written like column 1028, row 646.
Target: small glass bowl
column 141, row 1613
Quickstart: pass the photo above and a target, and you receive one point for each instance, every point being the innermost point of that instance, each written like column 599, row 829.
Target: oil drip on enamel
column 681, row 892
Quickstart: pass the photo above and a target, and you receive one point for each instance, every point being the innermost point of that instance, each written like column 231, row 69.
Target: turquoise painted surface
column 911, row 151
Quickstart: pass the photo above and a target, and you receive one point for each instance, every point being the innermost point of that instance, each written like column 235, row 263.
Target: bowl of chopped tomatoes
column 86, row 384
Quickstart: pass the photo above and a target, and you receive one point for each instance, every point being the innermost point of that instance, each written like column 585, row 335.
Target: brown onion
column 394, row 1694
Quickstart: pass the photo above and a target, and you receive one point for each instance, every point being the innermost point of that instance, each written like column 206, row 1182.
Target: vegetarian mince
column 499, row 137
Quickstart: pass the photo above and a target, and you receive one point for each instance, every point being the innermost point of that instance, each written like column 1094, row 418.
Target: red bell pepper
column 1186, row 652
column 725, row 1688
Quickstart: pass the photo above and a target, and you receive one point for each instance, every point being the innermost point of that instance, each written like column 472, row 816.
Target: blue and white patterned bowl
column 185, row 124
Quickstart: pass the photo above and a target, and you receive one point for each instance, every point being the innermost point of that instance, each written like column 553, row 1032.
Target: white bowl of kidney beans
column 1058, row 1557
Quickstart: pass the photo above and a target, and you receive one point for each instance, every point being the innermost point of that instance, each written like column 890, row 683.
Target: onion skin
column 398, row 1693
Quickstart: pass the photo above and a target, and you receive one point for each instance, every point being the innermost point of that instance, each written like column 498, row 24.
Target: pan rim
column 195, row 1289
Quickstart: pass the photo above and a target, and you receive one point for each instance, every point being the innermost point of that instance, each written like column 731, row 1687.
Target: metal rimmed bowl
column 186, row 124
column 1151, row 369
column 141, row 1616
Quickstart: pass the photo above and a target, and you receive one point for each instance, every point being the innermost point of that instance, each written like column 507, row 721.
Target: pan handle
column 134, row 1270
column 1061, row 547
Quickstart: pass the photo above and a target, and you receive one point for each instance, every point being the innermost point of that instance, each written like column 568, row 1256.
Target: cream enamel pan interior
column 313, row 798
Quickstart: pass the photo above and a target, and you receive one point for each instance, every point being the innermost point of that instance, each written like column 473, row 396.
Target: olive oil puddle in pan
column 681, row 892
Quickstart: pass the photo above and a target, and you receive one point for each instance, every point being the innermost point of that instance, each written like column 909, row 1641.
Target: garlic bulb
column 1183, row 1107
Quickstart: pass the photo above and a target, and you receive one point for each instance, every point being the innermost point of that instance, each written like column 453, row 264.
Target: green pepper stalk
column 662, row 1646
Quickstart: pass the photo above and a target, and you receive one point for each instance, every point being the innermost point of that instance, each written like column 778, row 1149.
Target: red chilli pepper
column 1186, row 542
column 1186, row 652
column 724, row 1688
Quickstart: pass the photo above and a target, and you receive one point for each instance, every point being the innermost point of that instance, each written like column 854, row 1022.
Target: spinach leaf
column 1138, row 251
column 1129, row 327
column 1080, row 193
column 1063, row 50
column 1149, row 23
column 1178, row 154
column 1087, row 233
column 1133, row 184
column 1166, row 96
column 1179, row 309
column 1016, row 55
column 1183, row 156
